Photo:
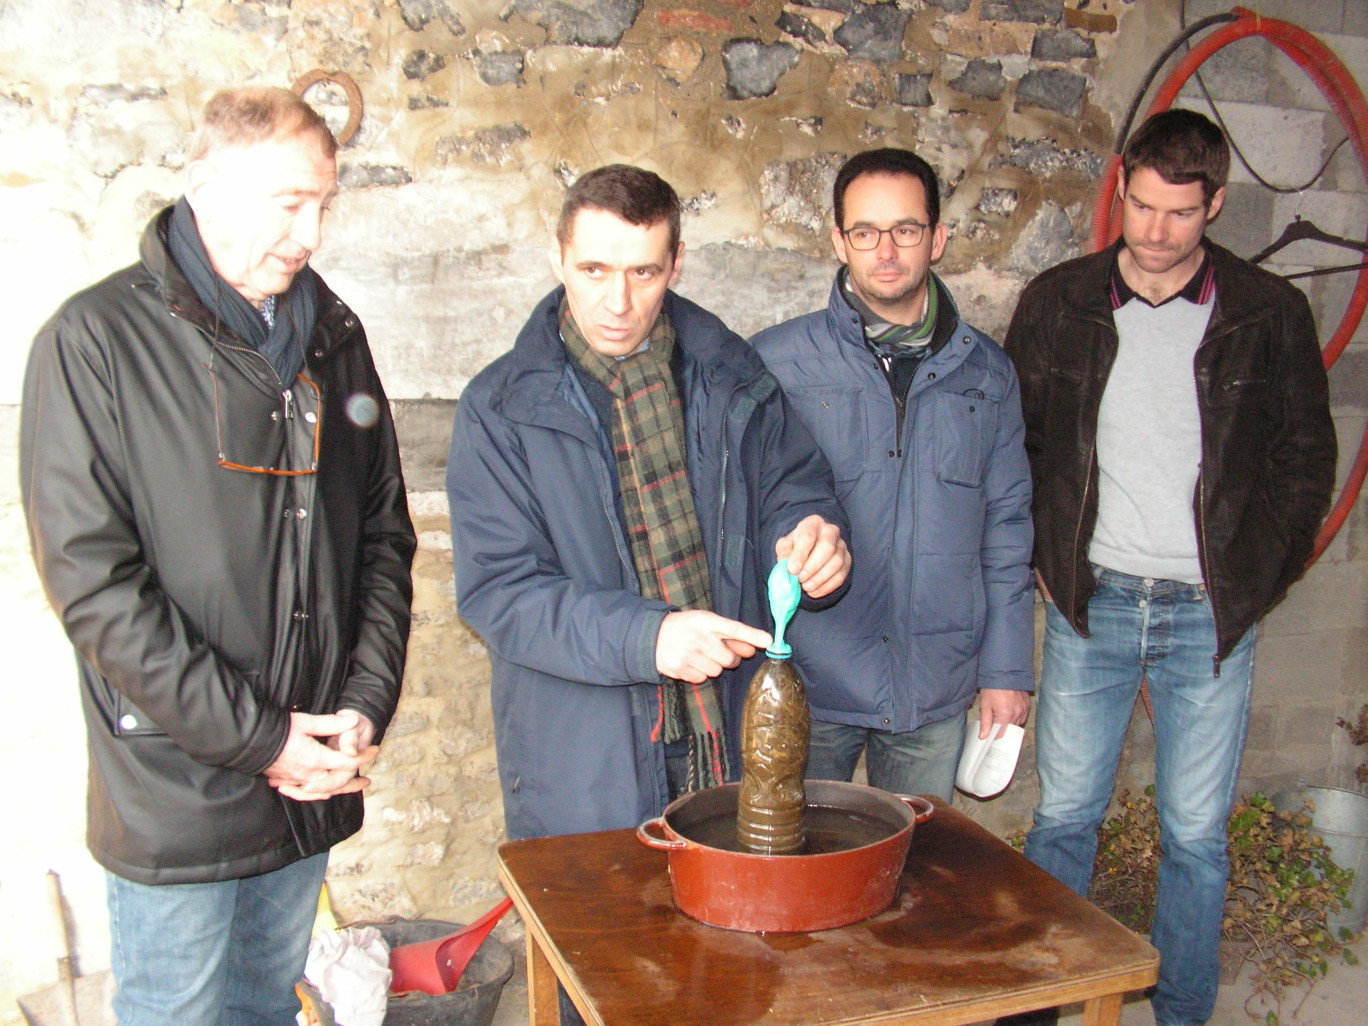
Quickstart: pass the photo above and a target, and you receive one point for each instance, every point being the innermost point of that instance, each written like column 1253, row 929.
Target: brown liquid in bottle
column 774, row 753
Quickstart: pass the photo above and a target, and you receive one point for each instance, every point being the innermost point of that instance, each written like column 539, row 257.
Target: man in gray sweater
column 1179, row 432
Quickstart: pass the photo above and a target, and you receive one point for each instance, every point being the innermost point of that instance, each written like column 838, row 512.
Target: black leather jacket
column 205, row 604
column 1268, row 443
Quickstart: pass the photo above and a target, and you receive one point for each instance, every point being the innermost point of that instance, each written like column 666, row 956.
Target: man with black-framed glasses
column 920, row 417
column 218, row 516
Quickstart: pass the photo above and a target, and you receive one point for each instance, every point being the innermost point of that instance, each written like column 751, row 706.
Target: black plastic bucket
column 473, row 1001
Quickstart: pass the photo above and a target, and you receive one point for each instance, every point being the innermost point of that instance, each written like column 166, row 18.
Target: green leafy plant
column 1358, row 733
column 1126, row 874
column 1283, row 885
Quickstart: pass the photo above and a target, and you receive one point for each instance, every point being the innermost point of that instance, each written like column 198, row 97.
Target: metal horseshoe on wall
column 349, row 86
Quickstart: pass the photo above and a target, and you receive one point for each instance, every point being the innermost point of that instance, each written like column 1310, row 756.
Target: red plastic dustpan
column 435, row 966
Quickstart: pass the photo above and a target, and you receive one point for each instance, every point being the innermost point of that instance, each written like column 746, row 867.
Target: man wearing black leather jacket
column 218, row 516
column 1182, row 453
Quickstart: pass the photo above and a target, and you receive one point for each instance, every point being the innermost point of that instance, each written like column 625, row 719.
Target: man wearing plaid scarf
column 621, row 483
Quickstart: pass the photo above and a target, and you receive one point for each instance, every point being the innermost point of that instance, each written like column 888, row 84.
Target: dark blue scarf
column 282, row 344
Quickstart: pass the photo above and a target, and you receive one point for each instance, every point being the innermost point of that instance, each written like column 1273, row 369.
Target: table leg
column 543, row 1007
column 1102, row 1011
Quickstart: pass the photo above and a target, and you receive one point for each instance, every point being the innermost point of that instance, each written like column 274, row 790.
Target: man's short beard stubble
column 901, row 293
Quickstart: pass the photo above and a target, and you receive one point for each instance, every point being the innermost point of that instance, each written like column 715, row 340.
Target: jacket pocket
column 121, row 717
column 836, row 418
column 965, row 424
column 125, row 718
column 952, row 602
column 1240, row 390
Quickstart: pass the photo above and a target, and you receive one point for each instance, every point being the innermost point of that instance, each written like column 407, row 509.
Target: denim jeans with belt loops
column 1163, row 631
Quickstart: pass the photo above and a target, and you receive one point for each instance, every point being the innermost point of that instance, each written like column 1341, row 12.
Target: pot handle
column 658, row 843
column 923, row 807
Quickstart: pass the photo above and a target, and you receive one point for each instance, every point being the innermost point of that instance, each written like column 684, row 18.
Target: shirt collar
column 1199, row 290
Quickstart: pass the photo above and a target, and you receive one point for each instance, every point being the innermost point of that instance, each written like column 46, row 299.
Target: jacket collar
column 1240, row 297
column 170, row 282
column 845, row 326
column 538, row 361
column 335, row 319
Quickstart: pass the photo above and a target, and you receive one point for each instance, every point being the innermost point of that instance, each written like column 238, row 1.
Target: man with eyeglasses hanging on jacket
column 919, row 415
column 217, row 513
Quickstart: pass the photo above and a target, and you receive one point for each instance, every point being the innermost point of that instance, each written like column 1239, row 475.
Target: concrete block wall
column 1311, row 663
column 477, row 115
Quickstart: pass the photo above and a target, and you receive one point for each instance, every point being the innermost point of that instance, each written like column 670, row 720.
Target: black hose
column 1157, row 66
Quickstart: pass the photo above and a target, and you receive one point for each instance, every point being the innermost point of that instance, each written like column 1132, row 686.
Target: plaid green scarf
column 893, row 340
column 662, row 525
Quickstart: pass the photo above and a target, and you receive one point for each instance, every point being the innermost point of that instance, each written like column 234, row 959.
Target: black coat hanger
column 1298, row 230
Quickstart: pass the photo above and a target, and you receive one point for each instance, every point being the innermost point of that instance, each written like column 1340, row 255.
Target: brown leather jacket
column 1268, row 443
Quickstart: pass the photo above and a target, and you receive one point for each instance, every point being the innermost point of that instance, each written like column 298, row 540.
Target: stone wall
column 477, row 116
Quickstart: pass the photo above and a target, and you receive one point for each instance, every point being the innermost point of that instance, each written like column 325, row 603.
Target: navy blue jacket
column 545, row 575
column 940, row 604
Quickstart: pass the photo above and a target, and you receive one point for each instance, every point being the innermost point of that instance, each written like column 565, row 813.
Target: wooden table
column 976, row 932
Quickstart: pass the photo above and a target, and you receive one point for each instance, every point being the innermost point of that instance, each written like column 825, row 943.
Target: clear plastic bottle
column 774, row 753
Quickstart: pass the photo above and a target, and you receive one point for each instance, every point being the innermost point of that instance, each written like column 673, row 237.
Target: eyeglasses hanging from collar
column 289, row 414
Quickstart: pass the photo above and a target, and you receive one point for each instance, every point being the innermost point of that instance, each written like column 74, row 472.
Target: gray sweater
column 1149, row 444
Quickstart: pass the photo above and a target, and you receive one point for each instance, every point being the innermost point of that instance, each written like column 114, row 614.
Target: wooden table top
column 976, row 931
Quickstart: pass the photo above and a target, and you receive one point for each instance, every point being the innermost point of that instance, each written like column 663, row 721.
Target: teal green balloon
column 784, row 595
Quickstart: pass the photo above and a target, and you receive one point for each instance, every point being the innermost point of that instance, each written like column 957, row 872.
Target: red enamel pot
column 858, row 839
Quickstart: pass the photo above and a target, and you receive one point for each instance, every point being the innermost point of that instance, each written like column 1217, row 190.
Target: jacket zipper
column 1202, row 548
column 1078, row 528
column 1201, row 534
column 610, row 515
column 899, row 403
column 299, row 614
column 1107, row 323
column 722, row 503
column 731, row 403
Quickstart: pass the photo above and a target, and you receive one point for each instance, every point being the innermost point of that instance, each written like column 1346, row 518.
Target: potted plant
column 1340, row 818
column 1283, row 887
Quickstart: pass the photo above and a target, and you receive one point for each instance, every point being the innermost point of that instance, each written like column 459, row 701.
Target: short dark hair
column 637, row 196
column 887, row 161
column 1181, row 146
column 255, row 114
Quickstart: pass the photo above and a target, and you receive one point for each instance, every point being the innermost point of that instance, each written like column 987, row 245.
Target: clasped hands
column 323, row 756
column 696, row 644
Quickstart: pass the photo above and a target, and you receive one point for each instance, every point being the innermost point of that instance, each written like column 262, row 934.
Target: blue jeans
column 921, row 761
column 1162, row 631
column 213, row 954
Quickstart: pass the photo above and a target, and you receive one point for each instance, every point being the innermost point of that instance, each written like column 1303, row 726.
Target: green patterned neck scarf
column 893, row 340
column 662, row 525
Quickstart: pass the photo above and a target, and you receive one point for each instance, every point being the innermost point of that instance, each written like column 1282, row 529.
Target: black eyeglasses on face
column 905, row 235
